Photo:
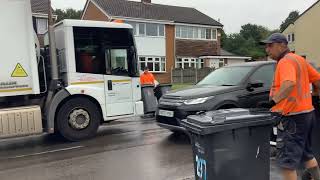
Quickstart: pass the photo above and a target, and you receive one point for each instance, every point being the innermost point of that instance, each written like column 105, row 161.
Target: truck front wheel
column 78, row 119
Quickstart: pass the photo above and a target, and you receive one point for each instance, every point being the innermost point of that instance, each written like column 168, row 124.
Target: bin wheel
column 78, row 119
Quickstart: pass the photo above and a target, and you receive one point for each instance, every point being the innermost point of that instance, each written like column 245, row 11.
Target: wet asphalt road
column 129, row 149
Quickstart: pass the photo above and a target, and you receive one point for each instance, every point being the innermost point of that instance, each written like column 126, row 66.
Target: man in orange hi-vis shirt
column 290, row 98
column 147, row 78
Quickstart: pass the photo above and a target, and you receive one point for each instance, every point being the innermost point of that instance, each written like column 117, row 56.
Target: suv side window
column 264, row 74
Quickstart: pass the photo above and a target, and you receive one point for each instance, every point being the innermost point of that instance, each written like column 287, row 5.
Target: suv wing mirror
column 255, row 84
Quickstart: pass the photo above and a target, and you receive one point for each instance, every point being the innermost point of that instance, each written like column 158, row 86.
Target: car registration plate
column 166, row 113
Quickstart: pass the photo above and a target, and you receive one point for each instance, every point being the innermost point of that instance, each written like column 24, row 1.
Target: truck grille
column 171, row 101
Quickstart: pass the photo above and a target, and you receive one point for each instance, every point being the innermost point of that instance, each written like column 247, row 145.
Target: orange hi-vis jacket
column 296, row 69
column 147, row 78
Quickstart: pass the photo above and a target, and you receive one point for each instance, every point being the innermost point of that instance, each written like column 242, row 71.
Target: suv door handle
column 109, row 85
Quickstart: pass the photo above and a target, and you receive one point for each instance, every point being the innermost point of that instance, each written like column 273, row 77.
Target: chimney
column 146, row 1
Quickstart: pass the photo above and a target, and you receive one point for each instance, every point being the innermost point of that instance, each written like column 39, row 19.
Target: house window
column 200, row 64
column 221, row 63
column 214, row 34
column 178, row 30
column 179, row 63
column 161, row 29
column 155, row 64
column 292, row 37
column 208, row 33
column 197, row 33
column 289, row 38
column 184, row 32
column 186, row 63
column 42, row 25
column 142, row 62
column 151, row 29
column 147, row 29
column 142, row 29
column 203, row 33
column 163, row 64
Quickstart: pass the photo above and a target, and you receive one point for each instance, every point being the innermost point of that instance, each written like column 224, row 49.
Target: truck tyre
column 78, row 119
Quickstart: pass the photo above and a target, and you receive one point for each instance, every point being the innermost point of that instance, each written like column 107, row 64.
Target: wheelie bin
column 231, row 144
column 161, row 90
column 150, row 102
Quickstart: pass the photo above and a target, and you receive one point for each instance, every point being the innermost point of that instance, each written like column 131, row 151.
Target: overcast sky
column 232, row 13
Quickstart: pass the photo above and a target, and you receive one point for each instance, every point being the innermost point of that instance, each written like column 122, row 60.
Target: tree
column 67, row 14
column 293, row 16
column 254, row 31
column 223, row 38
column 246, row 43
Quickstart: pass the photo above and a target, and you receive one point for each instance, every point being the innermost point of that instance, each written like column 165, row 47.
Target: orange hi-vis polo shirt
column 147, row 78
column 296, row 69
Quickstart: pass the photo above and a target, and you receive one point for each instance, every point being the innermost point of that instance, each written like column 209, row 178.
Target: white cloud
column 232, row 13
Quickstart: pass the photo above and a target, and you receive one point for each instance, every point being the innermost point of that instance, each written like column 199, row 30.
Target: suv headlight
column 197, row 101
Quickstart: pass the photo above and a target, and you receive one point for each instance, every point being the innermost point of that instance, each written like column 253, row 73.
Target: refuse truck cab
column 98, row 78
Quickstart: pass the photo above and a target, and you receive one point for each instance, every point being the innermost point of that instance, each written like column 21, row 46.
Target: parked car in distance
column 245, row 85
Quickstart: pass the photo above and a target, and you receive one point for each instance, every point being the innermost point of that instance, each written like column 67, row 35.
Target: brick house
column 167, row 37
column 40, row 17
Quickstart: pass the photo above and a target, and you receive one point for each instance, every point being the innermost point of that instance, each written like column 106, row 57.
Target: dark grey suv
column 244, row 85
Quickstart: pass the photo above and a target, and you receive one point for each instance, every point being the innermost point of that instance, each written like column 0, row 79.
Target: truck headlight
column 197, row 101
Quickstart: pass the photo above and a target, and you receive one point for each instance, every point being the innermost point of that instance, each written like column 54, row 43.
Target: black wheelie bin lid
column 226, row 119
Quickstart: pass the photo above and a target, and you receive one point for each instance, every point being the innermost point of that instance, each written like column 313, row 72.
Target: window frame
column 92, row 43
column 198, row 33
column 292, row 37
column 138, row 26
column 192, row 62
column 153, row 61
column 38, row 20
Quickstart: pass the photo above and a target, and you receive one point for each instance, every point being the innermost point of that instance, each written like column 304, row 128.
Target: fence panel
column 190, row 75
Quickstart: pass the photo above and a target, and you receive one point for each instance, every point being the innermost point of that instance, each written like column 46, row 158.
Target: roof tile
column 176, row 14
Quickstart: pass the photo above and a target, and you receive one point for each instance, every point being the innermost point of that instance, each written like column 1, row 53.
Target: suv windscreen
column 227, row 76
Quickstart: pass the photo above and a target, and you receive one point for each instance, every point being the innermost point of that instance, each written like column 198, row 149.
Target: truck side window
column 264, row 74
column 88, row 52
column 119, row 61
column 105, row 51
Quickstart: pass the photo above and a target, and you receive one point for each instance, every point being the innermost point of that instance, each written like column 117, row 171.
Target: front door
column 118, row 84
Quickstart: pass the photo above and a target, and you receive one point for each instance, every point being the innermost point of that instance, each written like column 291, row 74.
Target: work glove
column 272, row 103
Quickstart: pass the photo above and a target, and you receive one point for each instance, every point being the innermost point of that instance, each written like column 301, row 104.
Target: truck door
column 118, row 83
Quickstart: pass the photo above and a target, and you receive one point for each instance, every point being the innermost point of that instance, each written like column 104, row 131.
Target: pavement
column 128, row 149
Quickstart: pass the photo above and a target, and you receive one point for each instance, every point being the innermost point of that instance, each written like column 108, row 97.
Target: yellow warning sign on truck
column 19, row 71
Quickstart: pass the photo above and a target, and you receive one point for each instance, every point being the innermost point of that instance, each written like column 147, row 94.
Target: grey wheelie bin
column 161, row 90
column 150, row 102
column 230, row 144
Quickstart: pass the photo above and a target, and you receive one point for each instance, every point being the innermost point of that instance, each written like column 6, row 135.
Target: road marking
column 46, row 152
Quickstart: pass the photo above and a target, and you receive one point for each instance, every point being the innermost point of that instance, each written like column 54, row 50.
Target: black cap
column 275, row 38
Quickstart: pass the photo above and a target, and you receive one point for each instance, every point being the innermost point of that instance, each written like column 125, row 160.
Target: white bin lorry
column 92, row 80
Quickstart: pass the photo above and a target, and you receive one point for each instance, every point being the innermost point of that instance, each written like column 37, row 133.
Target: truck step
column 20, row 121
